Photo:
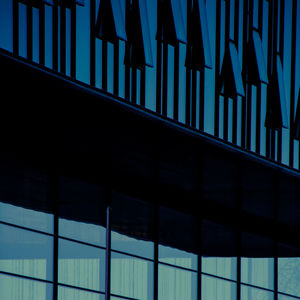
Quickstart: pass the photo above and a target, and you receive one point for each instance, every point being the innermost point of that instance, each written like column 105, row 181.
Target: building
column 149, row 149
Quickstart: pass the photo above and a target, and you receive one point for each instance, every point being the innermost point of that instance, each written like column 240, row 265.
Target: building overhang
column 52, row 125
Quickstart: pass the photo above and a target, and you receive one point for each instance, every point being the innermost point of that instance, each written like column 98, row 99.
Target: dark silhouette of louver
column 139, row 52
column 276, row 116
column 254, row 70
column 70, row 3
column 172, row 30
column 297, row 120
column 110, row 24
column 230, row 80
column 199, row 56
column 37, row 3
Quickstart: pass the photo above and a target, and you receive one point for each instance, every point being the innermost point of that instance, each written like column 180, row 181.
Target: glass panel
column 131, row 277
column 26, row 217
column 13, row 288
column 146, row 32
column 176, row 284
column 258, row 271
column 177, row 257
column 220, row 266
column 261, row 65
column 282, row 94
column 130, row 245
column 283, row 297
column 236, row 70
column 84, row 232
column 249, row 293
column 289, row 275
column 178, row 20
column 205, row 36
column 119, row 19
column 65, row 293
column 6, row 22
column 217, row 289
column 81, row 265
column 26, row 253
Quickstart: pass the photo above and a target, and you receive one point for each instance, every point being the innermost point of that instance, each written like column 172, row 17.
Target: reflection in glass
column 289, row 275
column 177, row 257
column 65, row 293
column 131, row 277
column 81, row 265
column 26, row 217
column 220, row 266
column 84, row 232
column 176, row 284
column 26, row 253
column 217, row 289
column 130, row 245
column 249, row 293
column 258, row 271
column 13, row 288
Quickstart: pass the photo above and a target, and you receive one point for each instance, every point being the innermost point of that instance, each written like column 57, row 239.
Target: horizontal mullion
column 177, row 267
column 131, row 255
column 26, row 277
column 81, row 242
column 80, row 288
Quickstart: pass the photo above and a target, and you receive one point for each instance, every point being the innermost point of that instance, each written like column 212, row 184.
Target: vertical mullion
column 143, row 87
column 217, row 68
column 194, row 99
column 92, row 43
column 116, row 67
column 42, row 34
column 55, row 36
column 63, row 39
column 133, row 84
column 275, row 241
column 104, row 65
column 165, row 80
column 15, row 27
column 201, row 99
column 235, row 101
column 176, row 82
column 108, row 247
column 248, row 117
column 158, row 57
column 226, row 100
column 73, row 42
column 258, row 116
column 53, row 192
column 29, row 31
column 293, row 77
column 239, row 207
column 188, row 70
column 244, row 103
column 281, row 50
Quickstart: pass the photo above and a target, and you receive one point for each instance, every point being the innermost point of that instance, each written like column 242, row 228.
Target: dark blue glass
column 261, row 65
column 178, row 20
column 205, row 35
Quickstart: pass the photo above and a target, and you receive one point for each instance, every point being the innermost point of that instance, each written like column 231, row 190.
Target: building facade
column 150, row 149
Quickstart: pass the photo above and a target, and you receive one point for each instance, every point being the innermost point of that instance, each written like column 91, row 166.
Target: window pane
column 81, row 265
column 84, row 232
column 68, row 293
column 26, row 217
column 249, row 293
column 130, row 245
column 176, row 284
column 177, row 257
column 26, row 253
column 217, row 289
column 220, row 266
column 258, row 271
column 13, row 288
column 131, row 277
column 289, row 275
